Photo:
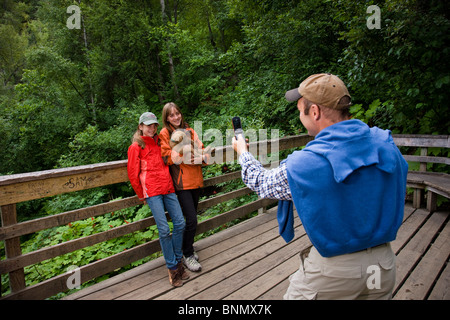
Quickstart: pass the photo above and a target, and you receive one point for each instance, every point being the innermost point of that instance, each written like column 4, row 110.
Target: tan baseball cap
column 324, row 89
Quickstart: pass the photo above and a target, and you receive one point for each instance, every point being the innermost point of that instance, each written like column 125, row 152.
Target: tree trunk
column 160, row 78
column 91, row 91
column 169, row 53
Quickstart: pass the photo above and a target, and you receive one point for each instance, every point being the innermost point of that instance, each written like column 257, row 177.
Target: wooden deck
column 250, row 261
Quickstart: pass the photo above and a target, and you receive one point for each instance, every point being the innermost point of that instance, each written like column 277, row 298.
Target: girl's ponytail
column 137, row 137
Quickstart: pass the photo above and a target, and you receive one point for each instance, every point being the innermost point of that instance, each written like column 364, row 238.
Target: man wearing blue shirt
column 348, row 186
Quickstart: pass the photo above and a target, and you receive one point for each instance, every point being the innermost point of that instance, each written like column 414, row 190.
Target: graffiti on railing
column 82, row 181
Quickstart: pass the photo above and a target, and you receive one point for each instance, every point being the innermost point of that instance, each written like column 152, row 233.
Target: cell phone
column 237, row 127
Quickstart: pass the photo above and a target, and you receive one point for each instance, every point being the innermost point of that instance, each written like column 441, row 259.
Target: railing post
column 424, row 153
column 262, row 209
column 418, row 193
column 12, row 247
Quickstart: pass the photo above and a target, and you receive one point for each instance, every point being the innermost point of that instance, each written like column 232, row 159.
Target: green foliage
column 69, row 96
column 401, row 62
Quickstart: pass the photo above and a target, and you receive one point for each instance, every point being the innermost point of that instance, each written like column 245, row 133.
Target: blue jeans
column 171, row 245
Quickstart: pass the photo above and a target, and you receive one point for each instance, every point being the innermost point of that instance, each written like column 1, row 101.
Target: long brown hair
column 137, row 137
column 165, row 115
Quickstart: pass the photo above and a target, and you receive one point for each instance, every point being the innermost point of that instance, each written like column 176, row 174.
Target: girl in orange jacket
column 187, row 177
column 151, row 180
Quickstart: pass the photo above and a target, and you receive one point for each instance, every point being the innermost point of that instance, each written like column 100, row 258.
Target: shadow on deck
column 250, row 261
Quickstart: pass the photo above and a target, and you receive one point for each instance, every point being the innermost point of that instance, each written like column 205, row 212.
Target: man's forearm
column 270, row 184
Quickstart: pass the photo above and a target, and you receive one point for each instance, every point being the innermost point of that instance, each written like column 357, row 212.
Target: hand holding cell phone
column 237, row 127
column 239, row 145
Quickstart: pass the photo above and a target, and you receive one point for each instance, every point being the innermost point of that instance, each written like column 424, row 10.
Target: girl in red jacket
column 151, row 180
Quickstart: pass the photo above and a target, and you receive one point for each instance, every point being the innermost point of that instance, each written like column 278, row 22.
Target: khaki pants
column 366, row 274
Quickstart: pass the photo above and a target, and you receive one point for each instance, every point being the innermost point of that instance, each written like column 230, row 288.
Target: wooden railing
column 435, row 183
column 29, row 186
column 24, row 187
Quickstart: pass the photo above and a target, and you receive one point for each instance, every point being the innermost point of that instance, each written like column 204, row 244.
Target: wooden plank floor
column 250, row 261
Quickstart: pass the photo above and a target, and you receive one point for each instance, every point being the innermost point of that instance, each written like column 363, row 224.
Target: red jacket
column 148, row 174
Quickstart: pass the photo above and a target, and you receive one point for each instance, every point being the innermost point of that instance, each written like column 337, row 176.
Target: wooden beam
column 63, row 172
column 50, row 186
column 233, row 214
column 415, row 140
column 224, row 197
column 428, row 159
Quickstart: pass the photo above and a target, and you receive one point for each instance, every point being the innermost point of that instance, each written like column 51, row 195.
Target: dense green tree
column 404, row 64
column 65, row 90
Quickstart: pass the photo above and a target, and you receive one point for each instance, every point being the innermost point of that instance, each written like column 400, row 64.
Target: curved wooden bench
column 434, row 182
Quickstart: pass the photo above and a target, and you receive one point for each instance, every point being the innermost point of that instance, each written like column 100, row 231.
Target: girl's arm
column 134, row 168
column 169, row 156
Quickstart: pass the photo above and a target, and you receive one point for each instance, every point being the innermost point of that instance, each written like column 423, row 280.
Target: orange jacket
column 148, row 174
column 185, row 176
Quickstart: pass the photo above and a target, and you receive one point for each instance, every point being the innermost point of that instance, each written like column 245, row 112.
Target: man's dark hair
column 343, row 107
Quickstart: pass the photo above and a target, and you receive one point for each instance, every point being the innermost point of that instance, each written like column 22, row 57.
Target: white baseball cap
column 148, row 118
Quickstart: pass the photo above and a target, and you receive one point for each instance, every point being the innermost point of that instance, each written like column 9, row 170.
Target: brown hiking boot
column 182, row 272
column 174, row 278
